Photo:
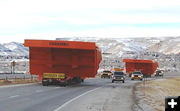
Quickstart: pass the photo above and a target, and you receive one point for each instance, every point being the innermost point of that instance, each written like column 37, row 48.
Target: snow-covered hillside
column 165, row 50
column 114, row 46
column 166, row 46
column 119, row 46
column 13, row 49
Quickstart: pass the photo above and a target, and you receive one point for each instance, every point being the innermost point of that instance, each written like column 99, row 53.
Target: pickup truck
column 118, row 76
column 137, row 75
column 106, row 73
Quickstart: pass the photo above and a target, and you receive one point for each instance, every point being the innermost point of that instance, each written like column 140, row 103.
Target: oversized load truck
column 147, row 67
column 63, row 62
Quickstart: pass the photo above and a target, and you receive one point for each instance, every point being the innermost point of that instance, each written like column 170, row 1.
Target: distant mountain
column 114, row 47
column 119, row 46
column 13, row 49
column 164, row 50
column 166, row 46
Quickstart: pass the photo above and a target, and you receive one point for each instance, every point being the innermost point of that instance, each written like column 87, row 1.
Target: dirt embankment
column 18, row 81
column 151, row 95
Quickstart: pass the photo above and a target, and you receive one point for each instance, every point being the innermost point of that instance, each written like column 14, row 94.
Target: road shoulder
column 111, row 97
column 151, row 96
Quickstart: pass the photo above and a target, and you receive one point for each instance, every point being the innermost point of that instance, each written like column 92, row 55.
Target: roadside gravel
column 112, row 97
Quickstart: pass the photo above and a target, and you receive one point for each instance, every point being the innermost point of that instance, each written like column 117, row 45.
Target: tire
column 112, row 81
column 123, row 81
column 69, row 82
column 44, row 83
column 130, row 75
column 132, row 79
column 141, row 79
column 82, row 80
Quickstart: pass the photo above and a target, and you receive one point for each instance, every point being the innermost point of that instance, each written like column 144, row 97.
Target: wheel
column 123, row 81
column 130, row 75
column 69, row 82
column 112, row 81
column 82, row 80
column 141, row 79
column 132, row 79
column 44, row 83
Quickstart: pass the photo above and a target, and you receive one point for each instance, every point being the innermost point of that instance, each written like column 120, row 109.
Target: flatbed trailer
column 63, row 62
column 147, row 67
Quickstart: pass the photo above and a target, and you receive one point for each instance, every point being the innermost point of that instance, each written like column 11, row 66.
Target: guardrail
column 17, row 76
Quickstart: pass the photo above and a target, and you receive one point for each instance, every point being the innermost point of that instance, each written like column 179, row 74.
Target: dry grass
column 18, row 81
column 155, row 91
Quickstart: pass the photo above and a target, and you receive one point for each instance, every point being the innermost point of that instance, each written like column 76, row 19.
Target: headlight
column 114, row 77
column 132, row 75
column 139, row 76
column 122, row 78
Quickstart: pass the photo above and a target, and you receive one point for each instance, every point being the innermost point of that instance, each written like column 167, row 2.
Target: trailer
column 63, row 62
column 147, row 67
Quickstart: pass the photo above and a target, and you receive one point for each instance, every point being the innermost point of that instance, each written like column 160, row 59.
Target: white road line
column 14, row 96
column 7, row 86
column 66, row 103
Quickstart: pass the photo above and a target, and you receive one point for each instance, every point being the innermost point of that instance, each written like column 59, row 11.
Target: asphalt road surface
column 92, row 95
column 36, row 97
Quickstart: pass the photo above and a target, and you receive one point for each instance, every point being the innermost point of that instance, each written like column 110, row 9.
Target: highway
column 36, row 97
column 95, row 94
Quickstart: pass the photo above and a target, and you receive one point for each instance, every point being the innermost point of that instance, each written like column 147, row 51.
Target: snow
column 133, row 44
column 116, row 46
column 11, row 46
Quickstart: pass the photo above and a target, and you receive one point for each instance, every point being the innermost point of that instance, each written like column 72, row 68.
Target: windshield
column 107, row 71
column 137, row 73
column 118, row 73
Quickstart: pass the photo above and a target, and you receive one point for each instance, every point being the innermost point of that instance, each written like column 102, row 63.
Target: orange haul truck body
column 147, row 67
column 70, row 59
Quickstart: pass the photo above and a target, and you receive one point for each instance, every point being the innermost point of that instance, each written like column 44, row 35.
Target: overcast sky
column 50, row 19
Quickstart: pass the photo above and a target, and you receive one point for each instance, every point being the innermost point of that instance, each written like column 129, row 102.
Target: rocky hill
column 13, row 50
column 119, row 46
column 164, row 50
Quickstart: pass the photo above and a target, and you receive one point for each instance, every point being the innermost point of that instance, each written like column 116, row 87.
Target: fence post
column 31, row 78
